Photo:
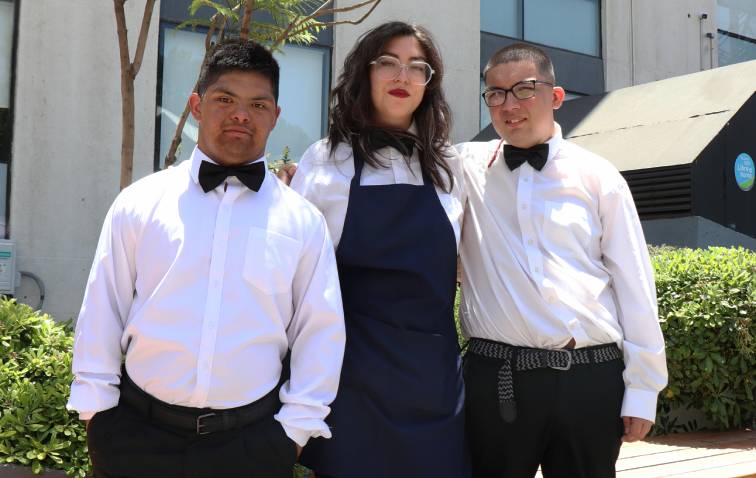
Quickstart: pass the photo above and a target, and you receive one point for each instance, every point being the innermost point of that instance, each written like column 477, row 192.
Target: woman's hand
column 286, row 173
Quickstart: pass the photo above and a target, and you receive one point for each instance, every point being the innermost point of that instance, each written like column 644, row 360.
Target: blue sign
column 744, row 171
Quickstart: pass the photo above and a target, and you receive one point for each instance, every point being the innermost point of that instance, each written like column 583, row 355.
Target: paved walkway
column 690, row 455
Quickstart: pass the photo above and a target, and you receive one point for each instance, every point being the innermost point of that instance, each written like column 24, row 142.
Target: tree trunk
column 127, row 128
column 129, row 71
column 127, row 96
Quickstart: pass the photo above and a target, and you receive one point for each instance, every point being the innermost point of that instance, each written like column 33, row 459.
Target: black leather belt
column 198, row 420
column 525, row 358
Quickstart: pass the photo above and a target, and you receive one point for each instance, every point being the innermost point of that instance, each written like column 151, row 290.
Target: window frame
column 11, row 112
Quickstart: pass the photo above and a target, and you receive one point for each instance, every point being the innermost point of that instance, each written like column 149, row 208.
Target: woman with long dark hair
column 390, row 188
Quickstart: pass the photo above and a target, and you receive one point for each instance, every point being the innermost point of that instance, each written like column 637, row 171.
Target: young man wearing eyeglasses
column 566, row 357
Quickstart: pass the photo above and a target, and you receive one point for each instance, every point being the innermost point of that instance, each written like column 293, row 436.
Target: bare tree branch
column 321, row 11
column 244, row 33
column 285, row 33
column 222, row 30
column 142, row 41
column 209, row 36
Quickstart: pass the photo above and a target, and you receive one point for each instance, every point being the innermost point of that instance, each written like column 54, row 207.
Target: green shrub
column 707, row 310
column 36, row 430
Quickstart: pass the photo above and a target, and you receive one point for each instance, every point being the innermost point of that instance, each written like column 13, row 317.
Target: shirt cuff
column 298, row 435
column 93, row 393
column 301, row 429
column 639, row 403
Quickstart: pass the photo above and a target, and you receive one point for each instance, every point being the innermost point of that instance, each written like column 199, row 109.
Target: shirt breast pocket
column 270, row 261
column 567, row 223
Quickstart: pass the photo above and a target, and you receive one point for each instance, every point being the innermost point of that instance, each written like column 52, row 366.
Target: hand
column 286, row 173
column 635, row 428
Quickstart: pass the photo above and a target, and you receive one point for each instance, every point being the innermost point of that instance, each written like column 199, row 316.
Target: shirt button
column 537, row 269
column 526, row 180
column 552, row 299
column 531, row 242
column 524, row 206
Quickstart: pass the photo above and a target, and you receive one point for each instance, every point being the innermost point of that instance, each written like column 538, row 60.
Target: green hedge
column 36, row 430
column 707, row 310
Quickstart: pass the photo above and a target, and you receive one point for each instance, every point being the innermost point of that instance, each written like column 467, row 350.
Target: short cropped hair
column 523, row 52
column 238, row 55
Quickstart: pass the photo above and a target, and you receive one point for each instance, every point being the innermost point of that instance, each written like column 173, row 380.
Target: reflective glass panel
column 502, row 17
column 573, row 25
column 736, row 39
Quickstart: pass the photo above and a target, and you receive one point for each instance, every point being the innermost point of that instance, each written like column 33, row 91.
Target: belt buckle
column 200, row 425
column 568, row 353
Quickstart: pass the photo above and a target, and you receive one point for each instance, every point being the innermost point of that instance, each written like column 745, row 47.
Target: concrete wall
column 455, row 26
column 648, row 40
column 67, row 138
column 694, row 232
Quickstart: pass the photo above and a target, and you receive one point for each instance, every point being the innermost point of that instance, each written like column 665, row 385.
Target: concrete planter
column 14, row 471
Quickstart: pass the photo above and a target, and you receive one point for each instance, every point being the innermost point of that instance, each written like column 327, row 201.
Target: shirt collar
column 555, row 142
column 198, row 156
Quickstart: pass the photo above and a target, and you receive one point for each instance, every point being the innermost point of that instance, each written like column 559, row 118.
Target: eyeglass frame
column 506, row 91
column 404, row 67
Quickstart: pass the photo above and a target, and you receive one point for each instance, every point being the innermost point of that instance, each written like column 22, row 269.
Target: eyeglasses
column 523, row 90
column 389, row 68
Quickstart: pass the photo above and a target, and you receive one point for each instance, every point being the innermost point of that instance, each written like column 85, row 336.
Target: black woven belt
column 198, row 420
column 525, row 358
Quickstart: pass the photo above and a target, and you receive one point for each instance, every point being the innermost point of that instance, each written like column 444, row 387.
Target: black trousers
column 568, row 422
column 124, row 444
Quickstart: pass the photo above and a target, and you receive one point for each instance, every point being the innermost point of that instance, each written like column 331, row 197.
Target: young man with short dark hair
column 205, row 276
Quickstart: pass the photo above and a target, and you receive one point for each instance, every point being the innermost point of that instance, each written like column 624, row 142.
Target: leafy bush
column 36, row 430
column 707, row 310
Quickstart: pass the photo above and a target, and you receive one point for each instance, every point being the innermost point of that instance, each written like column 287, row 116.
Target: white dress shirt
column 559, row 254
column 205, row 292
column 325, row 180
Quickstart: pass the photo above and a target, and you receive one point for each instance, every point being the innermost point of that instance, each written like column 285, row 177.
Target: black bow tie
column 381, row 138
column 251, row 175
column 536, row 156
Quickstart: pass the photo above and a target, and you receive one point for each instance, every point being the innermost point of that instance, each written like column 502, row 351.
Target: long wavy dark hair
column 351, row 117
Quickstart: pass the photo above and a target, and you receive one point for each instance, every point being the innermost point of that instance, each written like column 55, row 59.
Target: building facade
column 60, row 93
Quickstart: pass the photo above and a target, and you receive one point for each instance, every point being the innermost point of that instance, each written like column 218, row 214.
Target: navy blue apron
column 399, row 409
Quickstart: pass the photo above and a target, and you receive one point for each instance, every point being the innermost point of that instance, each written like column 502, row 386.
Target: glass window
column 502, row 17
column 736, row 23
column 303, row 97
column 573, row 25
column 303, row 90
column 6, row 52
